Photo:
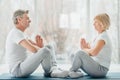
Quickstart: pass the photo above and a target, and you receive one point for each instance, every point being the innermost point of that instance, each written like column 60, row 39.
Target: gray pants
column 83, row 61
column 45, row 57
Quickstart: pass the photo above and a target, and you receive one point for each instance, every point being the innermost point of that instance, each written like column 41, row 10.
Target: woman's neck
column 99, row 32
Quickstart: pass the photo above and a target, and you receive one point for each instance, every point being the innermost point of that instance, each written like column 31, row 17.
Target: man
column 17, row 44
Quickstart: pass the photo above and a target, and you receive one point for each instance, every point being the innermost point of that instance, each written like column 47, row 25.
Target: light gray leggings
column 45, row 56
column 87, row 64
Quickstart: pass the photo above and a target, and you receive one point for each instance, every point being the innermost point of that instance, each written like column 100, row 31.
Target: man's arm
column 32, row 46
column 28, row 46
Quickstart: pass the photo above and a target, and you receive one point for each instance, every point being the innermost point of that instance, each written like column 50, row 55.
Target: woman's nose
column 93, row 23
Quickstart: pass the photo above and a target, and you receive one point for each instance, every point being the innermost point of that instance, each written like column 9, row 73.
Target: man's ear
column 18, row 19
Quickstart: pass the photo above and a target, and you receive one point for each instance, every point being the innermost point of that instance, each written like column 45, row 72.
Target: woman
column 94, row 59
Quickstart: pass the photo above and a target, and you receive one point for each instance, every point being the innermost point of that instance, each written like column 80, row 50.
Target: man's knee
column 49, row 46
column 46, row 51
column 80, row 53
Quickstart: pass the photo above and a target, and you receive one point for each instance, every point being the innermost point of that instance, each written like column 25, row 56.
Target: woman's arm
column 84, row 44
column 94, row 51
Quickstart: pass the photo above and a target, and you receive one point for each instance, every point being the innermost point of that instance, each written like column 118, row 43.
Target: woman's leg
column 84, row 61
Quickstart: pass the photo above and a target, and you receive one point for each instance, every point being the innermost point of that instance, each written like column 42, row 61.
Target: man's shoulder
column 16, row 31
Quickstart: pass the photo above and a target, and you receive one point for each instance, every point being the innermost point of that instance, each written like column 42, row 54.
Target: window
column 62, row 22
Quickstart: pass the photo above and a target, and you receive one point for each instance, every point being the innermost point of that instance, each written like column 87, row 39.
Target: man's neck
column 20, row 28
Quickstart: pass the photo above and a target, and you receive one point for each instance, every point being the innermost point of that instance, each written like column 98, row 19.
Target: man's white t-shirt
column 104, row 56
column 15, row 53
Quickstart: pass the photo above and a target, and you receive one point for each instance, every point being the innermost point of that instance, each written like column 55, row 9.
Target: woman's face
column 98, row 25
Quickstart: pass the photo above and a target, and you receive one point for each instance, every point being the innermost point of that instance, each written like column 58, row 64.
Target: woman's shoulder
column 104, row 34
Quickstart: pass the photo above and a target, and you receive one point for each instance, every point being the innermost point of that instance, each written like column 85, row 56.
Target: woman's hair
column 104, row 19
column 18, row 13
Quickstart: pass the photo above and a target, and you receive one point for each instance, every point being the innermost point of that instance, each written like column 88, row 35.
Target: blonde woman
column 95, row 59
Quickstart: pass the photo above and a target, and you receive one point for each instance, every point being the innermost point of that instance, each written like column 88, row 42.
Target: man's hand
column 39, row 41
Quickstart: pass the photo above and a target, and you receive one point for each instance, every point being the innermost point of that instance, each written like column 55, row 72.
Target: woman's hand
column 84, row 44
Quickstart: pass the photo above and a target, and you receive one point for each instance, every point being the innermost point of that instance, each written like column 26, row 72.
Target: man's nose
column 29, row 21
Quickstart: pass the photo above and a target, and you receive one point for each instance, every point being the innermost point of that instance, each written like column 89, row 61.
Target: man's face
column 25, row 21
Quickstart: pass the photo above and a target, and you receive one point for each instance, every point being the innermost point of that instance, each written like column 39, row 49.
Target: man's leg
column 53, row 58
column 55, row 71
column 31, row 63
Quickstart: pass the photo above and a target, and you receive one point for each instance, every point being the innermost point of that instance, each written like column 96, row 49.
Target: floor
column 113, row 68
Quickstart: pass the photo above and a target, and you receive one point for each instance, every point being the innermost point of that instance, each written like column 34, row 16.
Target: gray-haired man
column 17, row 44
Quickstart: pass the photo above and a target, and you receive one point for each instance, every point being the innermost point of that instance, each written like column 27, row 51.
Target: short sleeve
column 18, row 36
column 103, row 37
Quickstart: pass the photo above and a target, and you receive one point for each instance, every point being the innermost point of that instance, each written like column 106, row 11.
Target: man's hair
column 105, row 19
column 18, row 13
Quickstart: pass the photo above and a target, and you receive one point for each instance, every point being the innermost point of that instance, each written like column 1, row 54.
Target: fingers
column 88, row 45
column 83, row 43
column 38, row 38
column 39, row 41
